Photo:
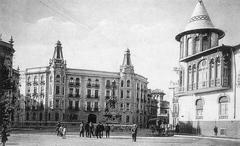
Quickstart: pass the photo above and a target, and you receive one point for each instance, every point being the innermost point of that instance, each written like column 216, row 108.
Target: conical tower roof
column 200, row 21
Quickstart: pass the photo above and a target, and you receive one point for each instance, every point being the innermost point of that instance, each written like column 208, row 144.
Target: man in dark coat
column 87, row 129
column 134, row 132
column 107, row 129
column 97, row 131
column 4, row 135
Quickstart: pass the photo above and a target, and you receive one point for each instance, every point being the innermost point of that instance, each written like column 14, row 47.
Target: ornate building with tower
column 58, row 93
column 208, row 94
column 9, row 81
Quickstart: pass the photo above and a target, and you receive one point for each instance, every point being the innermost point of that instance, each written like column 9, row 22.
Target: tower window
column 128, row 83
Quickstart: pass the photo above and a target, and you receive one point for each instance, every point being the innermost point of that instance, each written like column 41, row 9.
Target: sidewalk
column 209, row 137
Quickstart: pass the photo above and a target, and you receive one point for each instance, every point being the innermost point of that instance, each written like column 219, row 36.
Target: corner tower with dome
column 209, row 79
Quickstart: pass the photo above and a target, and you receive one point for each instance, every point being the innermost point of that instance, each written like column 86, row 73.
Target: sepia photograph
column 120, row 72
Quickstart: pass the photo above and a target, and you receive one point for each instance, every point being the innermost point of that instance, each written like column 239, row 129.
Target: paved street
column 46, row 139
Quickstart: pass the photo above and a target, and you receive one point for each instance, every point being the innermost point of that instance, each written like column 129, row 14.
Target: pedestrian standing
column 81, row 128
column 134, row 133
column 64, row 132
column 215, row 129
column 87, row 129
column 57, row 128
column 60, row 130
column 97, row 131
column 91, row 129
column 177, row 128
column 101, row 130
column 107, row 130
column 4, row 135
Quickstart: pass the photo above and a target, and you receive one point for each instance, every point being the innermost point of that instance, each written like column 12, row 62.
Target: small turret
column 58, row 51
column 127, row 66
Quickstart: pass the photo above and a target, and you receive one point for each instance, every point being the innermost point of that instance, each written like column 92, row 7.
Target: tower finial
column 11, row 41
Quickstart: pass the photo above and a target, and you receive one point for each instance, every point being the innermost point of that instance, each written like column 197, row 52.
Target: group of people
column 90, row 130
column 61, row 130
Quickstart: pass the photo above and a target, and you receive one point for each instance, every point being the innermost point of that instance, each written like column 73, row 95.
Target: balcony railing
column 71, row 83
column 77, row 84
column 108, row 86
column 199, row 117
column 96, row 96
column 77, row 95
column 29, row 83
column 223, row 117
column 89, row 85
column 107, row 97
column 89, row 96
column 70, row 95
column 96, row 85
column 35, row 83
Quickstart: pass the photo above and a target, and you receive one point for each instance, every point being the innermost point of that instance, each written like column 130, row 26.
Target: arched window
column 218, row 72
column 108, row 84
column 40, row 117
column 189, row 78
column 223, row 107
column 58, row 78
column 42, row 78
column 202, row 74
column 205, row 42
column 56, row 116
column 128, row 94
column 128, row 83
column 199, row 108
column 122, row 83
column 77, row 81
column 197, row 45
column 190, row 46
column 194, row 77
column 29, row 79
column 211, row 73
column 27, row 116
column 121, row 94
column 71, row 80
column 34, row 116
column 35, row 79
column 127, row 119
column 89, row 81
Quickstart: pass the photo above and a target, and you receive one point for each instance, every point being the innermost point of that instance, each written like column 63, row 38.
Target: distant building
column 58, row 93
column 209, row 74
column 162, row 106
column 9, row 80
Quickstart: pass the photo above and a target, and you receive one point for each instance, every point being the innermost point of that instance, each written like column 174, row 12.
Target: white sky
column 95, row 33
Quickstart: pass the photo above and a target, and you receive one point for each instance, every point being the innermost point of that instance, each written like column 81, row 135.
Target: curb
column 207, row 137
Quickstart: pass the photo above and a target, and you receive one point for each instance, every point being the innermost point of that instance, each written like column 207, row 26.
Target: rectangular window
column 96, row 93
column 62, row 90
column 95, row 106
column 128, row 94
column 128, row 106
column 57, row 103
column 89, row 92
column 88, row 106
column 77, row 91
column 57, row 89
column 70, row 104
column 76, row 105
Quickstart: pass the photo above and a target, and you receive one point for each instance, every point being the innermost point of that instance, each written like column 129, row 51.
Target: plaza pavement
column 73, row 139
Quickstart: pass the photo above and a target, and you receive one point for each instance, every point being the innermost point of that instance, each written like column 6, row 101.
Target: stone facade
column 208, row 92
column 58, row 93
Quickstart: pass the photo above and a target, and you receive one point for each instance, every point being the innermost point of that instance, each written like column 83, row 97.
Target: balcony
column 96, row 96
column 206, row 86
column 42, row 82
column 71, row 84
column 223, row 117
column 199, row 117
column 96, row 109
column 89, row 96
column 96, row 85
column 89, row 85
column 77, row 84
column 164, row 104
column 107, row 97
column 77, row 95
column 70, row 95
column 35, row 83
column 29, row 83
column 108, row 86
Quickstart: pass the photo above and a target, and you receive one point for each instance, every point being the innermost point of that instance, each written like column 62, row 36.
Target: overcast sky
column 95, row 33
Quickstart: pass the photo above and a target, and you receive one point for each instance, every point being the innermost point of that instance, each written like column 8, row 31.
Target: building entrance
column 92, row 118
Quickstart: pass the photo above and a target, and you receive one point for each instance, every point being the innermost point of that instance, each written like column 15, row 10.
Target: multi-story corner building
column 58, row 93
column 162, row 106
column 209, row 93
column 9, row 79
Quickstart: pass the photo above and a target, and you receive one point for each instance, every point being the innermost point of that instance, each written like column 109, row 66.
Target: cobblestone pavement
column 74, row 140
